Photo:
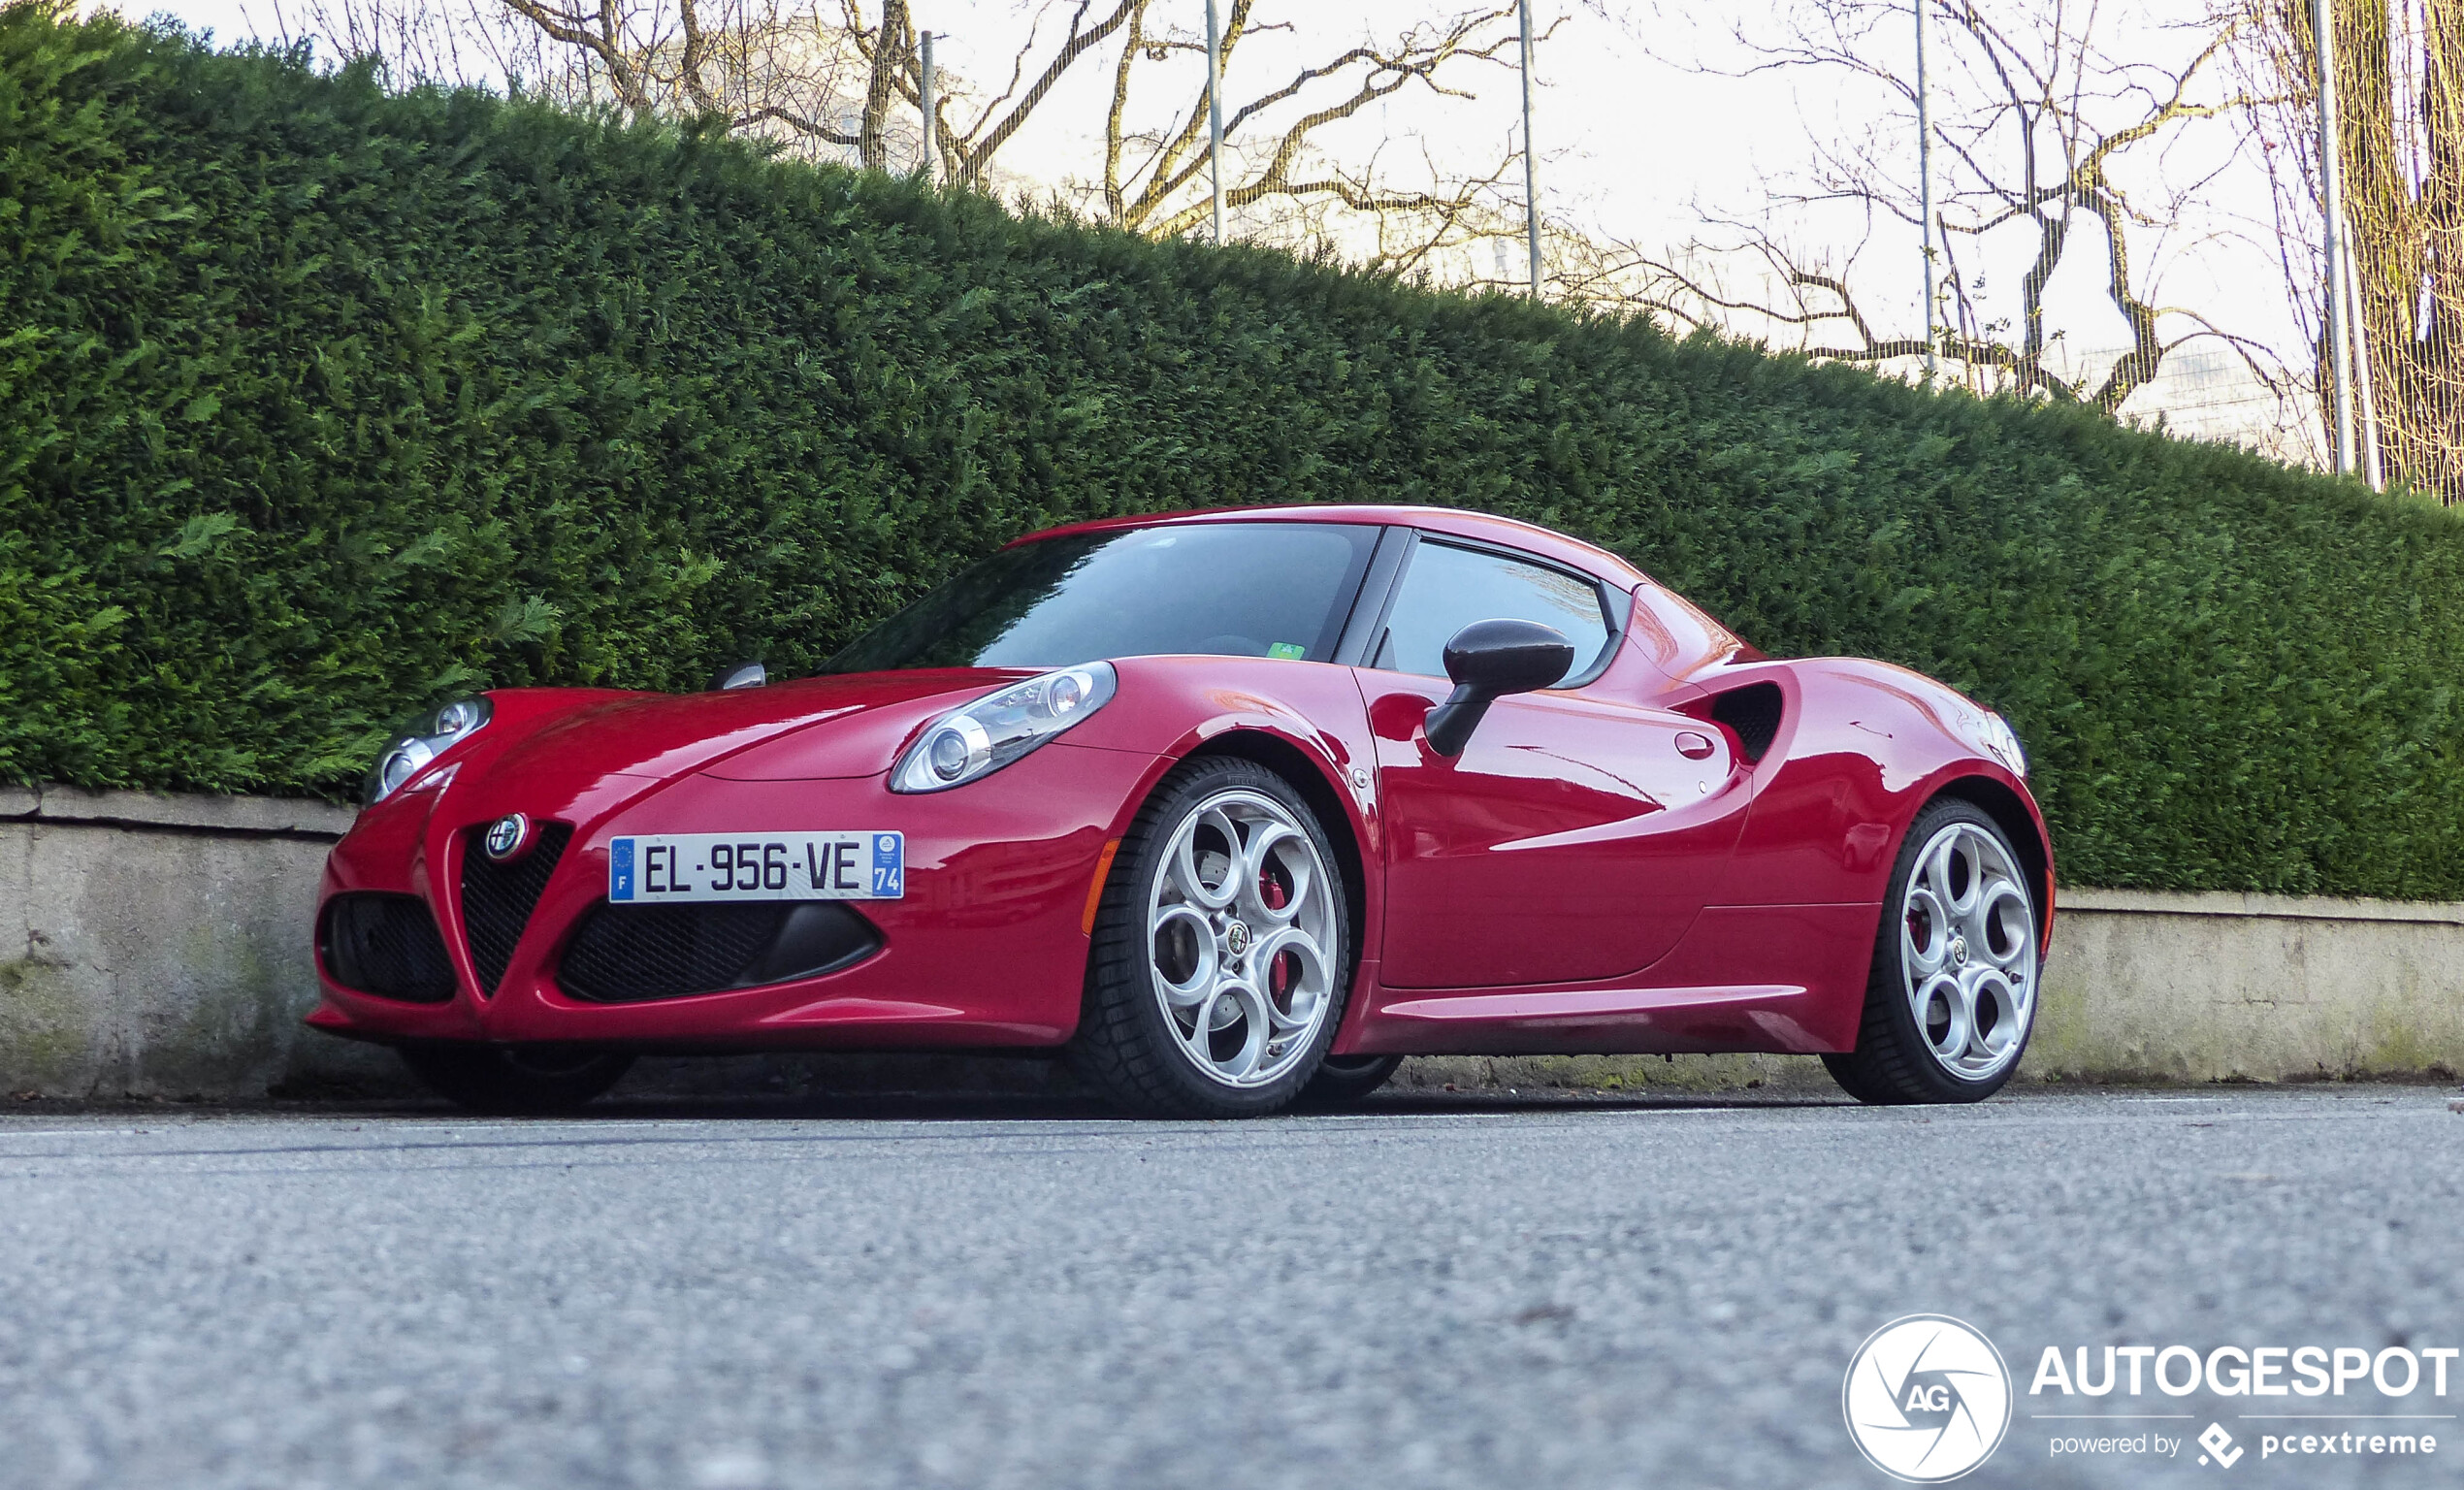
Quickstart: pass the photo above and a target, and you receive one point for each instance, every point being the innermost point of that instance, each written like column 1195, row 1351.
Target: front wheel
column 1952, row 995
column 1221, row 958
column 514, row 1080
column 1344, row 1080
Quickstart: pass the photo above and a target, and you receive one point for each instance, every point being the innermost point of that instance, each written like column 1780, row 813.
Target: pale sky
column 1638, row 144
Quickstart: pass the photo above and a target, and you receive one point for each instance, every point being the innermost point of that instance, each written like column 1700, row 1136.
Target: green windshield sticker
column 1287, row 649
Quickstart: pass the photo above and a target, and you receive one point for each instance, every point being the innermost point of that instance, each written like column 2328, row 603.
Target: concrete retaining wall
column 158, row 945
column 2264, row 987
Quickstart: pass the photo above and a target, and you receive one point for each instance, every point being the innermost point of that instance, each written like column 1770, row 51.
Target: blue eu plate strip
column 619, row 870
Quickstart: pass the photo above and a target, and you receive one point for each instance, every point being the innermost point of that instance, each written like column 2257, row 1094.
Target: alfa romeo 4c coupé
column 1233, row 808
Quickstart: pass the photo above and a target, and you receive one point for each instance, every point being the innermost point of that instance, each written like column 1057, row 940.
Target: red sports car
column 1231, row 807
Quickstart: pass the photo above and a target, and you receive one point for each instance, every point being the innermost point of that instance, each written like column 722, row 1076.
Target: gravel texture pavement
column 1429, row 1292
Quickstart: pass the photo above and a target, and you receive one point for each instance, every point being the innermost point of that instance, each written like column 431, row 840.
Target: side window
column 1447, row 588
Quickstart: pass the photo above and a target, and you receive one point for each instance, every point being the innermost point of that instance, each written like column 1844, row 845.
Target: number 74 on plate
column 669, row 868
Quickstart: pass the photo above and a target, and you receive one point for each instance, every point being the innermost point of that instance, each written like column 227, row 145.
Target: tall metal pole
column 1924, row 186
column 2331, row 179
column 2367, row 432
column 1531, row 161
column 923, row 91
column 1215, row 116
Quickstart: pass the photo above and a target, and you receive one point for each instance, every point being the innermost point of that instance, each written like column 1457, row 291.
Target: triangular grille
column 498, row 900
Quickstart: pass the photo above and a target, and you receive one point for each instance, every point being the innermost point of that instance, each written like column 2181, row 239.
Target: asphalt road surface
column 909, row 1295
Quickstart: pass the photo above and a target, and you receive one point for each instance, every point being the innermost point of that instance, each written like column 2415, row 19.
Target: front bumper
column 985, row 949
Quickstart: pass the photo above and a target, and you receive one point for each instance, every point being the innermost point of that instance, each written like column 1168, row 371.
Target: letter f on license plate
column 659, row 868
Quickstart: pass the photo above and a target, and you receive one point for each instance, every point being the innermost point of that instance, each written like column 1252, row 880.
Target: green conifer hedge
column 318, row 401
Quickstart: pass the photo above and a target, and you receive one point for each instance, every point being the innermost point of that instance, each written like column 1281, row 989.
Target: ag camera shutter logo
column 1927, row 1399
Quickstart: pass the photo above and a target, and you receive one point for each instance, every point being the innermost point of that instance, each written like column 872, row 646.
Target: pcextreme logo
column 1926, row 1399
column 2217, row 1441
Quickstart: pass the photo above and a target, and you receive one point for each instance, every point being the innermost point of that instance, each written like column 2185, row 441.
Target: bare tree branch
column 2032, row 118
column 830, row 79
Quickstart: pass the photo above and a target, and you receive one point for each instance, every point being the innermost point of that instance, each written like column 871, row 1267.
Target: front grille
column 498, row 900
column 628, row 954
column 385, row 945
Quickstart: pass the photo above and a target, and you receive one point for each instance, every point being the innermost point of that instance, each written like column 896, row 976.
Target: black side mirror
column 1488, row 660
column 741, row 675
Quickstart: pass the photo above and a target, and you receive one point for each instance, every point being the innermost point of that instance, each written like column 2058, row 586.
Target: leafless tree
column 2400, row 86
column 2033, row 118
column 838, row 80
column 1154, row 167
column 420, row 43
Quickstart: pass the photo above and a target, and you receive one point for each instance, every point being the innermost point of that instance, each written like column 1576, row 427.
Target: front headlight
column 992, row 732
column 411, row 751
column 2003, row 741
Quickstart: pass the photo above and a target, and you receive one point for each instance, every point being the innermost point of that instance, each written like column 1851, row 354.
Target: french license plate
column 664, row 868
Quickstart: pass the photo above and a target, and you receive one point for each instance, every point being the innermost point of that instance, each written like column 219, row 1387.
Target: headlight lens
column 412, row 751
column 995, row 731
column 2003, row 741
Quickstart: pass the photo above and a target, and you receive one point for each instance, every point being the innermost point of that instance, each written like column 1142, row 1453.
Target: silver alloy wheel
column 1240, row 938
column 1967, row 952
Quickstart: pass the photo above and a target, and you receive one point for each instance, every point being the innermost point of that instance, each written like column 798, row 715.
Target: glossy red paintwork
column 1602, row 869
column 1572, row 838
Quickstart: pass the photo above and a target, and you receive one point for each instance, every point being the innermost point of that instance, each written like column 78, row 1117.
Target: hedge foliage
column 318, row 401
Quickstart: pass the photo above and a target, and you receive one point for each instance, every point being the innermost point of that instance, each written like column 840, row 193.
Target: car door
column 1577, row 834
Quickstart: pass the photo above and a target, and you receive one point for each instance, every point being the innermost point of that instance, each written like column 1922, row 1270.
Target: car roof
column 1452, row 522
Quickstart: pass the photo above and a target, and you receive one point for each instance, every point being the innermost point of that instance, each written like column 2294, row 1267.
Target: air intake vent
column 1753, row 712
column 629, row 954
column 385, row 945
column 498, row 900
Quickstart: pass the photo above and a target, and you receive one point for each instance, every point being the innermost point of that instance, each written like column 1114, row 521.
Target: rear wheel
column 1222, row 958
column 1952, row 993
column 514, row 1079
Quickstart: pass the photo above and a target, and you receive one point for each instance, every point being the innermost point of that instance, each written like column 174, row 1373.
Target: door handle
column 1692, row 746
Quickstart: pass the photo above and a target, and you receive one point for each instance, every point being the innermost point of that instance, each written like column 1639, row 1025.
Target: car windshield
column 1226, row 589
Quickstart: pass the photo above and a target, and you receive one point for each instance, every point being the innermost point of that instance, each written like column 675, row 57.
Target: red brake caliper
column 1272, row 894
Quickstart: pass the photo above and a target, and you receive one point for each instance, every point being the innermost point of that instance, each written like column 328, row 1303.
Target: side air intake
column 1753, row 712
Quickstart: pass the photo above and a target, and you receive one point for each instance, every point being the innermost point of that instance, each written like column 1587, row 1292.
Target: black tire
column 1344, row 1080
column 511, row 1079
column 1125, row 1046
column 1895, row 1063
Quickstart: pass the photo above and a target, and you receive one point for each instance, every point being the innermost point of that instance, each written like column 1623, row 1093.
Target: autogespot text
column 2230, row 1370
column 2389, row 1404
